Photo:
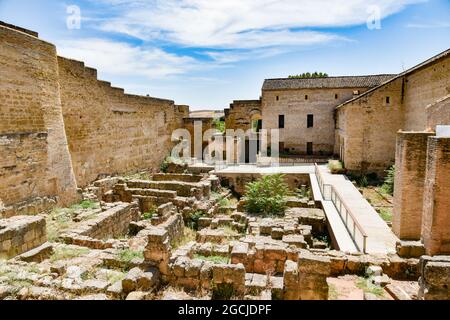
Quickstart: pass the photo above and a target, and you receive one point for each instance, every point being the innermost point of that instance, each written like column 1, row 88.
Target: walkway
column 380, row 238
column 341, row 238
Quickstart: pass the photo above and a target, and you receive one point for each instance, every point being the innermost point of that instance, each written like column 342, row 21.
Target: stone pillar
column 436, row 207
column 410, row 165
column 313, row 271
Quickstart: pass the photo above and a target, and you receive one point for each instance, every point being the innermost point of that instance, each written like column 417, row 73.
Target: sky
column 207, row 53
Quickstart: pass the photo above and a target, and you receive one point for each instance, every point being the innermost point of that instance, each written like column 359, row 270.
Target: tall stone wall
column 436, row 209
column 61, row 127
column 35, row 158
column 367, row 129
column 410, row 164
column 295, row 107
column 422, row 88
column 111, row 132
column 371, row 147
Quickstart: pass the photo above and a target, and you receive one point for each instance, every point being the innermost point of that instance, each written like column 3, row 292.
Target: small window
column 306, row 97
column 281, row 121
column 278, row 98
column 309, row 149
column 336, row 96
column 310, row 121
column 388, row 100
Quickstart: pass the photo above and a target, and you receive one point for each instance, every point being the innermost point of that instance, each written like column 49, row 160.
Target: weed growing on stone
column 365, row 285
column 65, row 253
column 213, row 259
column 189, row 235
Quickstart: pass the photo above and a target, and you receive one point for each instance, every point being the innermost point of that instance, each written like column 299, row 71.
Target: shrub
column 267, row 196
column 219, row 125
column 192, row 219
column 165, row 165
column 388, row 185
column 336, row 167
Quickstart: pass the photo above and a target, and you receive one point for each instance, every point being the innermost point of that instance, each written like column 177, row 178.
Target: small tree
column 267, row 196
column 388, row 185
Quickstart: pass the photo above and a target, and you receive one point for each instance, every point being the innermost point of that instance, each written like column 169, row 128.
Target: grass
column 365, row 285
column 213, row 259
column 139, row 176
column 65, row 253
column 127, row 255
column 385, row 214
column 188, row 236
column 224, row 291
column 153, row 211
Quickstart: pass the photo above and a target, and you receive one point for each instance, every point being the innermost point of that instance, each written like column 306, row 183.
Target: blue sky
column 207, row 53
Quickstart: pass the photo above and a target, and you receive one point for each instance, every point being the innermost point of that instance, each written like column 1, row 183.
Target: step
column 154, row 193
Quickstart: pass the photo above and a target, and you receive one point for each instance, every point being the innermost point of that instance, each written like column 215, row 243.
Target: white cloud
column 429, row 25
column 123, row 59
column 237, row 24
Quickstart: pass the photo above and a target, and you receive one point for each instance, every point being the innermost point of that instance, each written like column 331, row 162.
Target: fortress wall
column 61, row 128
column 35, row 160
column 110, row 132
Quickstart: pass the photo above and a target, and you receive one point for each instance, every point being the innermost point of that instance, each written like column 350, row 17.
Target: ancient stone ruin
column 91, row 208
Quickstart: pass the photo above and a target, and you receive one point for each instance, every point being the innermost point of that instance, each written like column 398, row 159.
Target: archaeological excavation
column 93, row 206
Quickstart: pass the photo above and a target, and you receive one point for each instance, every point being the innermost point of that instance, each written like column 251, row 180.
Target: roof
column 424, row 64
column 329, row 82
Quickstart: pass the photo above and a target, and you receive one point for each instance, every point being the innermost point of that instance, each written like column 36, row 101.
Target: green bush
column 219, row 125
column 267, row 196
column 192, row 219
column 388, row 185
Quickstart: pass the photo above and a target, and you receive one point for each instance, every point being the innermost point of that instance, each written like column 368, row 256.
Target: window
column 281, row 121
column 309, row 148
column 336, row 96
column 310, row 121
column 306, row 97
column 388, row 100
column 278, row 98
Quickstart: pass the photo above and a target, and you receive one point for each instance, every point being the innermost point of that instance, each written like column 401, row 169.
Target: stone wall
column 367, row 126
column 61, row 128
column 20, row 234
column 410, row 164
column 32, row 135
column 438, row 113
column 422, row 88
column 436, row 209
column 295, row 107
column 435, row 278
column 241, row 114
column 111, row 132
column 111, row 223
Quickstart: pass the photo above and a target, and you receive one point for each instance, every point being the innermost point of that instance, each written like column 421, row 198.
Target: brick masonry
column 436, row 213
column 20, row 234
column 410, row 172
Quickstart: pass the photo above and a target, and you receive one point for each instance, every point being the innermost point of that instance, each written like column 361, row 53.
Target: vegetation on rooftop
column 308, row 75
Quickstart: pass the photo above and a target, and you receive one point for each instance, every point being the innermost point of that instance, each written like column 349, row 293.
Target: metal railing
column 330, row 193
